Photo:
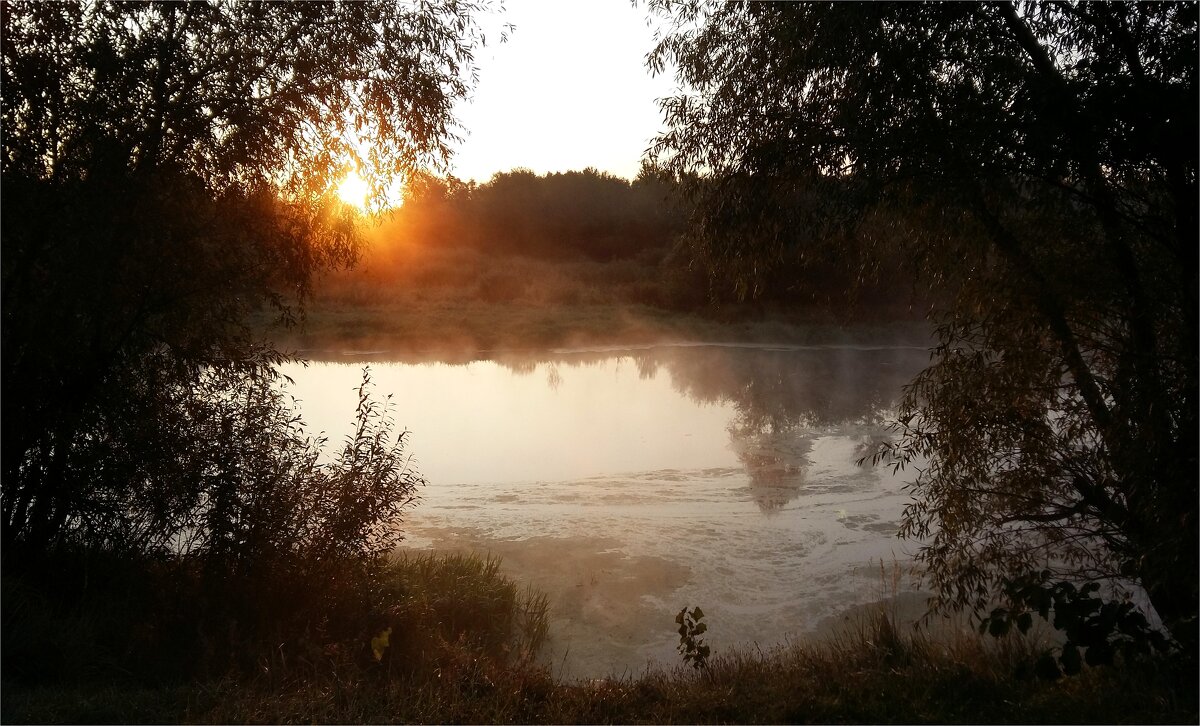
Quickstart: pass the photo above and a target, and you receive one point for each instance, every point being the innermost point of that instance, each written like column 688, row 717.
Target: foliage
column 846, row 680
column 269, row 545
column 1034, row 164
column 1103, row 629
column 565, row 215
column 443, row 609
column 240, row 96
column 173, row 166
column 691, row 645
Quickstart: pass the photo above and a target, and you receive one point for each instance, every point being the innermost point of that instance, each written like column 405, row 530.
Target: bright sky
column 568, row 90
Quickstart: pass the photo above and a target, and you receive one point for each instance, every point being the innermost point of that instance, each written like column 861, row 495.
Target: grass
column 461, row 300
column 445, row 605
column 66, row 658
column 869, row 674
column 462, row 647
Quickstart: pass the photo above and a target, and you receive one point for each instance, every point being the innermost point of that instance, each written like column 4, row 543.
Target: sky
column 568, row 90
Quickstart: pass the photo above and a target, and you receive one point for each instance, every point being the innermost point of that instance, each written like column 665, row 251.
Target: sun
column 354, row 190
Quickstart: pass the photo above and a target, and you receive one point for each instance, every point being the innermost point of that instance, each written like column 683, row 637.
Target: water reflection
column 814, row 386
column 783, row 398
column 775, row 459
column 781, row 401
column 786, row 397
column 625, row 483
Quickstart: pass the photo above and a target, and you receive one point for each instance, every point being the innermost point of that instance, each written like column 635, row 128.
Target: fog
column 629, row 483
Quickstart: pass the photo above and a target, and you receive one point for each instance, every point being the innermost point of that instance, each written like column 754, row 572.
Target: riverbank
column 459, row 330
column 867, row 667
column 454, row 641
column 460, row 301
column 873, row 673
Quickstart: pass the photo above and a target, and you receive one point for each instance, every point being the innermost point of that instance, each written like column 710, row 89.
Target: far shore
column 464, row 330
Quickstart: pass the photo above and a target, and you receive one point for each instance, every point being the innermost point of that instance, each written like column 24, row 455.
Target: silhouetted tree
column 166, row 173
column 576, row 213
column 1036, row 163
column 559, row 215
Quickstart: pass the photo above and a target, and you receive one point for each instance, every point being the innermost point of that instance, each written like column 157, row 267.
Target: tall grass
column 109, row 656
column 468, row 620
column 447, row 608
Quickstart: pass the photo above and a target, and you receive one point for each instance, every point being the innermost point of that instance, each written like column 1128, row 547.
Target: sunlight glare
column 354, row 190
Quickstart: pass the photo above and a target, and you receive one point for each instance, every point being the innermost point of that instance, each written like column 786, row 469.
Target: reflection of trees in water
column 784, row 398
column 869, row 445
column 647, row 367
column 520, row 366
column 814, row 387
column 553, row 377
column 775, row 455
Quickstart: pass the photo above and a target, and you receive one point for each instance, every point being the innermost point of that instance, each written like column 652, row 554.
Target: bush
column 242, row 546
column 449, row 610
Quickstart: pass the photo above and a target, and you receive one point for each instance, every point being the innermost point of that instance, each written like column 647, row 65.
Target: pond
column 628, row 483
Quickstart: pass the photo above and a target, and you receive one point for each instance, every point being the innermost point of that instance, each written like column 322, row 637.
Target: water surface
column 629, row 483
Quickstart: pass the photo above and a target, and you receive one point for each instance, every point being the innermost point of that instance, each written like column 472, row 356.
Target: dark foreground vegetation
column 1037, row 165
column 455, row 643
column 176, row 546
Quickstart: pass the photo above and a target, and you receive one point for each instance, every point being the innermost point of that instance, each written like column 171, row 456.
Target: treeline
column 645, row 224
column 561, row 215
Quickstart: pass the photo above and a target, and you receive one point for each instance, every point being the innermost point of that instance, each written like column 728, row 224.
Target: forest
column 1016, row 181
column 577, row 258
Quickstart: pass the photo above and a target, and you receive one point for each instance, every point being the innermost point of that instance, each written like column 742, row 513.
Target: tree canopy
column 1035, row 163
column 167, row 173
column 556, row 215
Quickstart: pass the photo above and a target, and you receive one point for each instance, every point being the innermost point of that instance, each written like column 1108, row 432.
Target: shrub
column 240, row 545
column 446, row 609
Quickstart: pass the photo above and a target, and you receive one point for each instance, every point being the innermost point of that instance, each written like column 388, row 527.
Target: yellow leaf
column 380, row 643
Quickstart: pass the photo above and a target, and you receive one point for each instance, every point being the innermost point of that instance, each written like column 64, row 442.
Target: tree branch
column 1050, row 307
column 1085, row 153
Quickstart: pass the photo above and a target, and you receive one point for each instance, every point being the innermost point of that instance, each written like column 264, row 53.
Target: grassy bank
column 459, row 301
column 460, row 645
column 91, row 638
column 877, row 677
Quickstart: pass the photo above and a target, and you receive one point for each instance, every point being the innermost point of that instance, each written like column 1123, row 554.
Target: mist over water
column 629, row 483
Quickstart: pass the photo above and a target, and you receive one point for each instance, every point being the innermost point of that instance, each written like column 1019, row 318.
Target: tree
column 1036, row 165
column 556, row 215
column 166, row 174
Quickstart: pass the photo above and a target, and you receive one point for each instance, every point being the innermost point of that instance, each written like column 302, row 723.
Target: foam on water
column 627, row 487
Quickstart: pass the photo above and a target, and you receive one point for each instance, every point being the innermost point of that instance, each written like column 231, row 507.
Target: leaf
column 1024, row 622
column 1070, row 659
column 697, row 614
column 1099, row 654
column 1043, row 603
column 700, row 628
column 998, row 627
column 1047, row 668
column 380, row 643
